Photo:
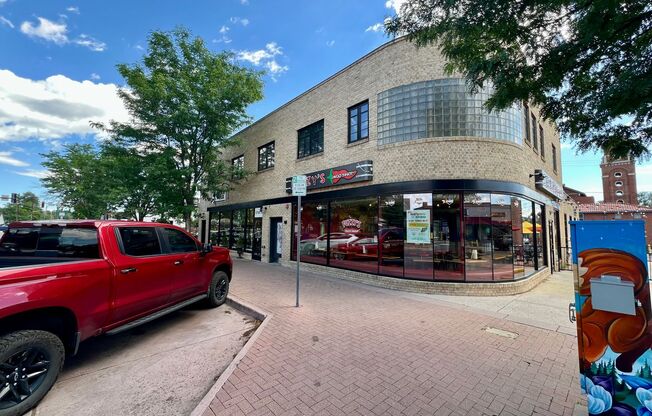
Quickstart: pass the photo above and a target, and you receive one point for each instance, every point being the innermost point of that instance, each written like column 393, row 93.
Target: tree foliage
column 645, row 199
column 79, row 179
column 185, row 102
column 586, row 63
column 28, row 207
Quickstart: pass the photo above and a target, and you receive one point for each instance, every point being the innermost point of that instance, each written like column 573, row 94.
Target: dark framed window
column 238, row 162
column 554, row 158
column 542, row 142
column 311, row 140
column 526, row 121
column 358, row 122
column 266, row 156
column 140, row 241
column 178, row 241
column 535, row 142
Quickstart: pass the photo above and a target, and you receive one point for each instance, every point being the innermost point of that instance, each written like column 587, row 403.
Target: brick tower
column 619, row 180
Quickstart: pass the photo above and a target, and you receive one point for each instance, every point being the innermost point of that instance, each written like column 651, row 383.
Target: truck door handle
column 128, row 270
column 178, row 262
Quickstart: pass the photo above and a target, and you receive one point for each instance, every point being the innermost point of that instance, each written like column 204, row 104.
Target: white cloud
column 73, row 9
column 6, row 22
column 224, row 30
column 224, row 37
column 238, row 20
column 139, row 47
column 46, row 29
column 94, row 76
column 6, row 158
column 34, row 173
column 52, row 108
column 378, row 27
column 330, row 43
column 58, row 33
column 244, row 2
column 90, row 43
column 266, row 58
column 395, row 4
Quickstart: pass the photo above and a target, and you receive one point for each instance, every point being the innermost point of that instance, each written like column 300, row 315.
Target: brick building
column 619, row 180
column 409, row 178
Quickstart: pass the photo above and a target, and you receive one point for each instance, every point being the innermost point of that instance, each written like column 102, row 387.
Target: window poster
column 418, row 226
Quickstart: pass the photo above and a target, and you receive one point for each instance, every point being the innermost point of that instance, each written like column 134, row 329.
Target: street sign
column 299, row 186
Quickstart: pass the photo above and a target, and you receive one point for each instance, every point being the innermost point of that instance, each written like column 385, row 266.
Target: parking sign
column 299, row 185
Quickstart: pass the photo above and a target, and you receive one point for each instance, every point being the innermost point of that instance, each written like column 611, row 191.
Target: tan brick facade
column 393, row 64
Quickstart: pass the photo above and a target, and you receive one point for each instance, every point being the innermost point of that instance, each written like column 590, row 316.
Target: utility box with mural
column 612, row 303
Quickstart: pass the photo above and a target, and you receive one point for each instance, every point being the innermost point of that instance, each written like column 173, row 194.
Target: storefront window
column 447, row 234
column 249, row 234
column 501, row 233
column 225, row 229
column 391, row 234
column 238, row 228
column 477, row 236
column 353, row 234
column 314, row 233
column 214, row 228
column 418, row 246
column 524, row 239
column 540, row 236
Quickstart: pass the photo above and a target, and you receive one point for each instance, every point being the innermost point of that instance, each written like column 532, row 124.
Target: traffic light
column 42, row 205
column 14, row 198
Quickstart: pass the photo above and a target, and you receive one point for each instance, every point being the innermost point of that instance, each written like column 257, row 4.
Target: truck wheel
column 218, row 290
column 30, row 362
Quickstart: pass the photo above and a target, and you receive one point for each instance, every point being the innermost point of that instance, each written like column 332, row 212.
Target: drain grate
column 501, row 332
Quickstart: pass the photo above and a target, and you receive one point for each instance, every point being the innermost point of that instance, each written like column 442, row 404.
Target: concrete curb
column 248, row 309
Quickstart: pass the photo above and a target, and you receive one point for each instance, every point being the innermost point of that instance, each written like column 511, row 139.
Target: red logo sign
column 343, row 174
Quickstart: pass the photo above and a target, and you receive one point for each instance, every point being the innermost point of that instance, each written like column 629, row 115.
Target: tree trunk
column 187, row 218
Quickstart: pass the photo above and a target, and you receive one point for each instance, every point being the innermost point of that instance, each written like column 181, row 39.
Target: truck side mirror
column 206, row 248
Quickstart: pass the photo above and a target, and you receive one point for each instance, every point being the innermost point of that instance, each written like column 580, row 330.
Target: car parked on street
column 62, row 282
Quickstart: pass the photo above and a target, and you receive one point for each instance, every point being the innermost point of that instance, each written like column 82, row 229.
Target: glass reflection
column 447, row 234
column 418, row 245
column 477, row 236
column 501, row 233
column 353, row 237
column 314, row 237
column 391, row 234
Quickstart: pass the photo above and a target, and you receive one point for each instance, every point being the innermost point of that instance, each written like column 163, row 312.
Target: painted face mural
column 615, row 355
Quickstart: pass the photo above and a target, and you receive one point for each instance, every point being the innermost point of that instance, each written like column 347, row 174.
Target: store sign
column 341, row 175
column 418, row 226
column 351, row 226
column 258, row 212
column 545, row 183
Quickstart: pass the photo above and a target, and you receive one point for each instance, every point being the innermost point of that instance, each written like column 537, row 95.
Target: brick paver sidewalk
column 356, row 350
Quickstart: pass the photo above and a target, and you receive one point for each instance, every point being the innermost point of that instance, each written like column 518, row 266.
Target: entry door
column 275, row 239
column 258, row 238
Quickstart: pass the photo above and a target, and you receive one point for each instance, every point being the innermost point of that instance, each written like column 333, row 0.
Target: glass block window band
column 443, row 108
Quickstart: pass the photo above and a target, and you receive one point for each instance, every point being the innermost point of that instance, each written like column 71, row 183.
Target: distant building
column 619, row 180
column 620, row 199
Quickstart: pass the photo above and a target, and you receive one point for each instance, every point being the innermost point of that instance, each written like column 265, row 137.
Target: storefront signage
column 258, row 212
column 546, row 183
column 351, row 225
column 341, row 175
column 418, row 226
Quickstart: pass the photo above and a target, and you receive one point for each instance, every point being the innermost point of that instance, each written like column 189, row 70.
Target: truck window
column 178, row 241
column 139, row 241
column 57, row 242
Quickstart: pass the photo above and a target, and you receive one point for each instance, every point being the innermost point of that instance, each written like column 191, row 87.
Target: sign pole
column 299, row 186
column 298, row 244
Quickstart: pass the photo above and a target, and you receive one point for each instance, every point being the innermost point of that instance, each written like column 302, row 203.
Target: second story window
column 266, row 156
column 359, row 122
column 543, row 143
column 554, row 158
column 311, row 140
column 238, row 162
column 526, row 119
column 535, row 142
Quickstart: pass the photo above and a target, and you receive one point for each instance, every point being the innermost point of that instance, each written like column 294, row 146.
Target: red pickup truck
column 63, row 282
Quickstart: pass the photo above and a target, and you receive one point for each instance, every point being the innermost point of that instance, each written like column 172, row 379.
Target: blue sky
column 57, row 66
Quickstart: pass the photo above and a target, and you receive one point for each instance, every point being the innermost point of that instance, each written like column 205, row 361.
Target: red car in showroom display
column 391, row 246
column 62, row 282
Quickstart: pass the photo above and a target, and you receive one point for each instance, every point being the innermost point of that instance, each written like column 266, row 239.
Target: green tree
column 28, row 207
column 79, row 180
column 645, row 199
column 185, row 102
column 586, row 63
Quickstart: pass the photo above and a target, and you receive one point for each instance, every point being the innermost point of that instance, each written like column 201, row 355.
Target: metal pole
column 298, row 244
